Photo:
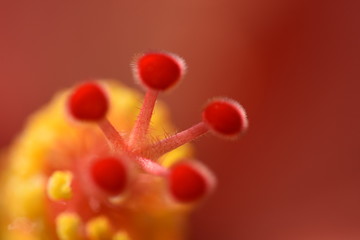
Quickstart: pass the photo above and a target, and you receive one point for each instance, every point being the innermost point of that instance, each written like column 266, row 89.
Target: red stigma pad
column 159, row 71
column 109, row 174
column 187, row 184
column 225, row 117
column 88, row 102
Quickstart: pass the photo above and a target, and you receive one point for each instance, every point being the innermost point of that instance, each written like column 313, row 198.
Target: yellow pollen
column 59, row 185
column 68, row 226
column 99, row 229
column 121, row 235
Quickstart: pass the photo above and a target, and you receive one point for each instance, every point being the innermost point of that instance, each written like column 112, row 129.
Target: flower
column 86, row 167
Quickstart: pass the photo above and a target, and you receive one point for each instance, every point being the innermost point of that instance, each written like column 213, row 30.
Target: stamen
column 151, row 167
column 59, row 185
column 68, row 226
column 112, row 135
column 99, row 228
column 157, row 72
column 89, row 102
column 109, row 174
column 137, row 136
column 190, row 182
column 224, row 117
column 166, row 145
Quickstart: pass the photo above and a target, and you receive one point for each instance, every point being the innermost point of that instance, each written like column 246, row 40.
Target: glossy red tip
column 109, row 174
column 88, row 102
column 159, row 71
column 187, row 183
column 225, row 117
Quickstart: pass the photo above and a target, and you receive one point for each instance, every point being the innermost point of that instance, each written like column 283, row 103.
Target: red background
column 294, row 65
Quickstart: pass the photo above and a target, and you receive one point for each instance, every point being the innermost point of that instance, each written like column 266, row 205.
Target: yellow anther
column 99, row 229
column 121, row 235
column 68, row 226
column 59, row 185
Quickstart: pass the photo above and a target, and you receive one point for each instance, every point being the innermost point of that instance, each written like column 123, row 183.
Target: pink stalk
column 151, row 167
column 117, row 142
column 112, row 134
column 160, row 148
column 138, row 134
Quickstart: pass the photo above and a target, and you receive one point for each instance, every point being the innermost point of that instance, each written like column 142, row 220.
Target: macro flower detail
column 89, row 168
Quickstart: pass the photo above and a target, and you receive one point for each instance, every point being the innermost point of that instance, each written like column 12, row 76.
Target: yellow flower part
column 121, row 236
column 51, row 141
column 99, row 229
column 68, row 226
column 59, row 185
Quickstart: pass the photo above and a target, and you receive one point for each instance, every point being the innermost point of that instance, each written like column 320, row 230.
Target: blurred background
column 294, row 65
